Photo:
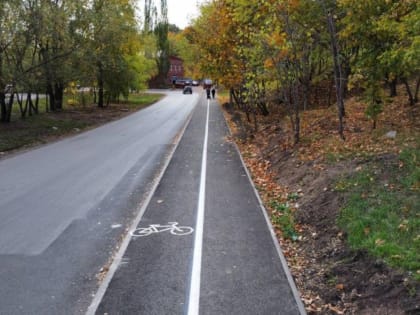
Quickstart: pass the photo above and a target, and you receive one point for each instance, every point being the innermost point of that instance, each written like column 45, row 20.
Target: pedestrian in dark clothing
column 208, row 92
column 213, row 91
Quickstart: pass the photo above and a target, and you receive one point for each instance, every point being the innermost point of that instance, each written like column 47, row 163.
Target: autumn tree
column 55, row 45
column 277, row 51
column 329, row 9
column 281, row 48
column 150, row 15
column 161, row 31
column 46, row 45
column 383, row 35
column 8, row 34
column 113, row 42
column 215, row 34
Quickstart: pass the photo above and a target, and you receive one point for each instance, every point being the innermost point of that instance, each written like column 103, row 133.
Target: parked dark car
column 179, row 83
column 187, row 90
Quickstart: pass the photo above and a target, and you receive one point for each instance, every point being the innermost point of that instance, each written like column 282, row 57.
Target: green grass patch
column 141, row 100
column 36, row 130
column 283, row 218
column 382, row 212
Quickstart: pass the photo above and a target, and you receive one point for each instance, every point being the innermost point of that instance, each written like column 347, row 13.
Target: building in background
column 176, row 69
column 175, row 72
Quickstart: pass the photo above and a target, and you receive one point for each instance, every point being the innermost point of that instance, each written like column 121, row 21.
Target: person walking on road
column 213, row 91
column 208, row 92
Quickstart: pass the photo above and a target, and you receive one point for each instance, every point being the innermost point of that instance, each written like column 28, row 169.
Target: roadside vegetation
column 381, row 214
column 72, row 119
column 59, row 48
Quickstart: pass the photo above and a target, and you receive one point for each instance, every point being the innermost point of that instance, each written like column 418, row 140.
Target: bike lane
column 244, row 271
column 240, row 268
column 153, row 275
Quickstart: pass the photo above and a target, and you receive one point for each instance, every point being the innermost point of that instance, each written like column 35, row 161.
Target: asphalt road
column 65, row 207
column 221, row 255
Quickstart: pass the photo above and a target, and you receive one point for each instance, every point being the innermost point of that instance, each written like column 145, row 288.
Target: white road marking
column 194, row 294
column 172, row 227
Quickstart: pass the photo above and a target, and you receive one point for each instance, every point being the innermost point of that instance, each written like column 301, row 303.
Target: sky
column 180, row 12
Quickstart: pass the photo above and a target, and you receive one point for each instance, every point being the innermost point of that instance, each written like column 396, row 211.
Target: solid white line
column 194, row 295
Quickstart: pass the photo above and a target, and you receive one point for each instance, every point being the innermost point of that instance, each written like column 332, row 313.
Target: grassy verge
column 36, row 130
column 141, row 100
column 382, row 213
column 282, row 216
column 41, row 128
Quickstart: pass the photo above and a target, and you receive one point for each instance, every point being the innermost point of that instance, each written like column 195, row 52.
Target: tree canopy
column 46, row 45
column 280, row 53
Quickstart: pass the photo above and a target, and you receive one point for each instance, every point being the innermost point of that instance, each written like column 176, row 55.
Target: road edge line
column 195, row 282
column 286, row 269
column 97, row 299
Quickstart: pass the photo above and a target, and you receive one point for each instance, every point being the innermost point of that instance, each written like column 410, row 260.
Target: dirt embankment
column 335, row 278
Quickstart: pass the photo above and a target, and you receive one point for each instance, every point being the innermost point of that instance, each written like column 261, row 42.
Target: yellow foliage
column 269, row 64
column 72, row 102
column 277, row 39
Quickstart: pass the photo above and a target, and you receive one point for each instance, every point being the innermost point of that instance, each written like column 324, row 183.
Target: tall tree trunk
column 296, row 106
column 56, row 94
column 2, row 92
column 292, row 113
column 9, row 107
column 47, row 102
column 306, row 93
column 59, row 95
column 236, row 99
column 100, row 86
column 254, row 115
column 262, row 106
column 306, row 79
column 330, row 92
column 338, row 71
column 51, row 98
column 261, row 101
column 33, row 108
column 23, row 109
column 36, row 108
column 338, row 76
column 409, row 93
column 2, row 105
column 94, row 95
column 392, row 87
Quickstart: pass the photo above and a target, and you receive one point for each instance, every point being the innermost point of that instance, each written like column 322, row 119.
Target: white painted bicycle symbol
column 172, row 227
